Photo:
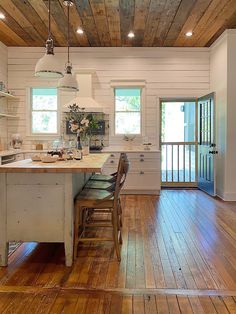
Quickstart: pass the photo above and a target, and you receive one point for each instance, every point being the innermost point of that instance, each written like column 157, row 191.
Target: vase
column 85, row 141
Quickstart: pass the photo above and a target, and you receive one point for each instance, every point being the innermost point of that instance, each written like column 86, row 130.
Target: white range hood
column 84, row 98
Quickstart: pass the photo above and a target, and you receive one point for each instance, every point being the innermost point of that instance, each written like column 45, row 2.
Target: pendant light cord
column 49, row 20
column 68, row 34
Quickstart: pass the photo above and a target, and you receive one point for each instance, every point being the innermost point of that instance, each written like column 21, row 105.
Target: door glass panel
column 178, row 122
column 178, row 141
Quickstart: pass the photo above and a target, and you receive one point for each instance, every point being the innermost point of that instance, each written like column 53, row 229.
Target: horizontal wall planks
column 167, row 73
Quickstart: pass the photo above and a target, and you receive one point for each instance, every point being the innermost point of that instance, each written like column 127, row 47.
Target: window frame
column 129, row 85
column 30, row 111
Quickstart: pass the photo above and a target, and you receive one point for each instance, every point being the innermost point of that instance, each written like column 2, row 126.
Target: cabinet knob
column 141, row 172
column 141, row 155
column 141, row 159
column 112, row 155
column 112, row 161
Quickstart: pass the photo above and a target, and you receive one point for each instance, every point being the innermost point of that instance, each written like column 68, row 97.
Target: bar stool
column 98, row 182
column 92, row 200
column 107, row 178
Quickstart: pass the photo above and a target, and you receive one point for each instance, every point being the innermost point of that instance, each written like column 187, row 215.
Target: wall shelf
column 5, row 115
column 7, row 95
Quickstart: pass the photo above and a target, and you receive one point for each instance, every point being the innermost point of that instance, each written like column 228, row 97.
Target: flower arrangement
column 80, row 122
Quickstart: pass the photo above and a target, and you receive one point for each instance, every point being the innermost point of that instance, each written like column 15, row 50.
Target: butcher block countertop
column 90, row 163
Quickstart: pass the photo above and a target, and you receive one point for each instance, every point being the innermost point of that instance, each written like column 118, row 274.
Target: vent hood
column 84, row 98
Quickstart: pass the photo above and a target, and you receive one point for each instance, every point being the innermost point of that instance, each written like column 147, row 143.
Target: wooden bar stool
column 107, row 185
column 108, row 178
column 91, row 200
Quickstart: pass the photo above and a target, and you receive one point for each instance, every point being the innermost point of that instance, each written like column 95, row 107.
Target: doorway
column 179, row 142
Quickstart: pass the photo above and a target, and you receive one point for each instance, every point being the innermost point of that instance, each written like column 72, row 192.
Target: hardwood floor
column 178, row 256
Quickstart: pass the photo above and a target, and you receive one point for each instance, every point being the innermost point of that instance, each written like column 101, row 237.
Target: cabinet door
column 143, row 180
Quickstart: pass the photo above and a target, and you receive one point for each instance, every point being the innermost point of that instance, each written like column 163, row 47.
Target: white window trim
column 128, row 84
column 41, row 136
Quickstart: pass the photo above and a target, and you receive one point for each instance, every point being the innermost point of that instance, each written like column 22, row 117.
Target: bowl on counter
column 49, row 159
column 36, row 157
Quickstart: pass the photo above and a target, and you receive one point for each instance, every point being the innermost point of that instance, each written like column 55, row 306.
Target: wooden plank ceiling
column 155, row 23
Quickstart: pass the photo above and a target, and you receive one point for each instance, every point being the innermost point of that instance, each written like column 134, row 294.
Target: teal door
column 206, row 144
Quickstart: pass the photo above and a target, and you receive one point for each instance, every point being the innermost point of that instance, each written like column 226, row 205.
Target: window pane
column 44, row 98
column 44, row 122
column 128, row 123
column 128, row 99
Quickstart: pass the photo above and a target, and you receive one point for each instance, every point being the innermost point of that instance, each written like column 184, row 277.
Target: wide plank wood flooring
column 178, row 256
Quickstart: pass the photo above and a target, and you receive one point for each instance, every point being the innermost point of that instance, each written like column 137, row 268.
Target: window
column 44, row 116
column 128, row 110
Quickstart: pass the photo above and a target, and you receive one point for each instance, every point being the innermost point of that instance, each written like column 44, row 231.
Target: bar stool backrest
column 121, row 176
column 122, row 156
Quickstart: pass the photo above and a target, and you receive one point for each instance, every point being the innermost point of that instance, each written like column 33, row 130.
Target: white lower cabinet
column 144, row 173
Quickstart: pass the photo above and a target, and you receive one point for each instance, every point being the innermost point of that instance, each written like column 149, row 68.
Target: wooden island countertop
column 90, row 163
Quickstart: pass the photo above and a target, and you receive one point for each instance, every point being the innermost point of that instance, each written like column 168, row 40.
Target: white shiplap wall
column 3, row 101
column 168, row 72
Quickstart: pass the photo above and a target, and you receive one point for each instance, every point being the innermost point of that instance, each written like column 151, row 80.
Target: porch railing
column 179, row 163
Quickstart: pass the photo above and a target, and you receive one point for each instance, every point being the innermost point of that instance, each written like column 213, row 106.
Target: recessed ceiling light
column 131, row 35
column 80, row 31
column 189, row 34
column 2, row 16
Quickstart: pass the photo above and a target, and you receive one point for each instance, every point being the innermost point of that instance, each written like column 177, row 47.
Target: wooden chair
column 103, row 184
column 107, row 178
column 90, row 200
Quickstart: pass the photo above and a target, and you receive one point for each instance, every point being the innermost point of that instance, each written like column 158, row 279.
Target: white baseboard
column 226, row 196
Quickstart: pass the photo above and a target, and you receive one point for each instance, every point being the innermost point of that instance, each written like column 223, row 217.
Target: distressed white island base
column 37, row 201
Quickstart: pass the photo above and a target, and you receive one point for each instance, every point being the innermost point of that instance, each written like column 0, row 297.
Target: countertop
column 90, row 163
column 20, row 151
column 108, row 149
column 125, row 149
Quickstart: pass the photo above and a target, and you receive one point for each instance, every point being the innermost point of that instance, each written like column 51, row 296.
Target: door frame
column 179, row 99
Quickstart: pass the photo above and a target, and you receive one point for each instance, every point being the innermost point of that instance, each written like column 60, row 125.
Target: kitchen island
column 37, row 201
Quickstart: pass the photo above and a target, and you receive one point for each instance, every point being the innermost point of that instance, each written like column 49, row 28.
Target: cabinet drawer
column 143, row 164
column 145, row 155
column 143, row 181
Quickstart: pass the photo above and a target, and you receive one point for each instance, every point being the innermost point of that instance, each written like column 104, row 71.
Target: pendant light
column 68, row 82
column 48, row 66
